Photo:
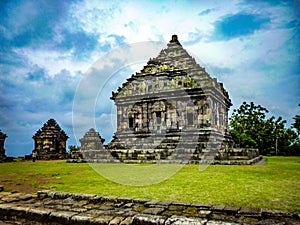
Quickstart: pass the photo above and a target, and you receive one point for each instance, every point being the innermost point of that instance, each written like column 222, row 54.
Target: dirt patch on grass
column 26, row 185
column 42, row 160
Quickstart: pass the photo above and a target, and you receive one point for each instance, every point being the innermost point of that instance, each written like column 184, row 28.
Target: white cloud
column 140, row 21
column 53, row 61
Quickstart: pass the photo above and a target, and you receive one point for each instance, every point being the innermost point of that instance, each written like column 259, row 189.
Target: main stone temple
column 172, row 110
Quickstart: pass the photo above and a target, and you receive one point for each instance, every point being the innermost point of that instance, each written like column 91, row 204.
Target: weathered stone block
column 81, row 219
column 142, row 219
column 153, row 211
column 61, row 216
column 203, row 213
column 217, row 207
column 127, row 221
column 117, row 220
column 251, row 212
column 152, row 202
column 232, row 209
column 275, row 213
column 101, row 219
column 179, row 220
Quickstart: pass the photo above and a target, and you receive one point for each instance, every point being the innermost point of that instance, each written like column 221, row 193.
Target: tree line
column 250, row 126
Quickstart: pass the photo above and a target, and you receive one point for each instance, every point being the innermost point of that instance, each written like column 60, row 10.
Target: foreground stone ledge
column 50, row 207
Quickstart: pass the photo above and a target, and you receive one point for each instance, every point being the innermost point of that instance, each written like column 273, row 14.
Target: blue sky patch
column 242, row 24
column 80, row 42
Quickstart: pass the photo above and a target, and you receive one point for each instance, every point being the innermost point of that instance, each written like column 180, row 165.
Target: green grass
column 274, row 186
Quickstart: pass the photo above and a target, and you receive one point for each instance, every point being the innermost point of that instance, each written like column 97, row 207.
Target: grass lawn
column 275, row 185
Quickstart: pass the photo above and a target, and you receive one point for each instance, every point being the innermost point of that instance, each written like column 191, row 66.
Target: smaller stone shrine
column 92, row 149
column 91, row 140
column 50, row 141
column 2, row 149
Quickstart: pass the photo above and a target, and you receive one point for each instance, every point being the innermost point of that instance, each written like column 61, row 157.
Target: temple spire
column 175, row 39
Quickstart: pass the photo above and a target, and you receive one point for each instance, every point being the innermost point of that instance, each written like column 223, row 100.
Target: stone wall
column 171, row 153
column 48, row 207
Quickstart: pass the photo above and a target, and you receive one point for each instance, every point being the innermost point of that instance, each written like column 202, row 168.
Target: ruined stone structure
column 91, row 140
column 50, row 141
column 2, row 149
column 171, row 110
column 92, row 149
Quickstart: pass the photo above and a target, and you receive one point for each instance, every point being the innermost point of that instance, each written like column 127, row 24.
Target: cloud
column 195, row 37
column 80, row 43
column 24, row 107
column 239, row 25
column 205, row 12
column 31, row 22
column 37, row 75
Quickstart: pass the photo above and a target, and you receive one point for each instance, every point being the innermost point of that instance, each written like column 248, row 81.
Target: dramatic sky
column 48, row 46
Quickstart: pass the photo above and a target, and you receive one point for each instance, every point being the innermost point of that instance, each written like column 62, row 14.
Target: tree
column 73, row 148
column 249, row 127
column 288, row 143
column 296, row 123
column 296, row 126
column 245, row 124
column 276, row 132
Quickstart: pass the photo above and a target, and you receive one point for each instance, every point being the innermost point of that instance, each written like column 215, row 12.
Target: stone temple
column 171, row 110
column 50, row 141
column 91, row 140
column 2, row 149
column 92, row 148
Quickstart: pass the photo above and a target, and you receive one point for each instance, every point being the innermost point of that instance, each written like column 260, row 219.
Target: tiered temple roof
column 173, row 62
column 50, row 129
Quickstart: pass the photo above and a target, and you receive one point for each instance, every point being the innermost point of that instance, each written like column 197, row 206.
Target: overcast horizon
column 47, row 47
